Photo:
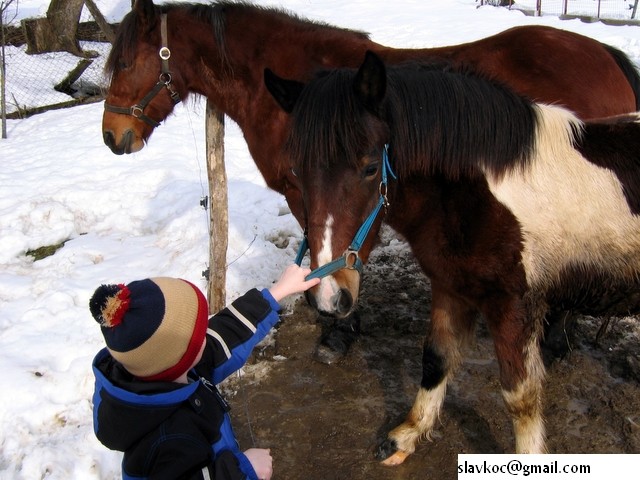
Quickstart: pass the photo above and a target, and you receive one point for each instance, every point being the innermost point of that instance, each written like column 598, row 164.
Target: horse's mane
column 440, row 119
column 215, row 14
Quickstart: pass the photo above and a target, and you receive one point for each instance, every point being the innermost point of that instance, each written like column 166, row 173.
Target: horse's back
column 547, row 65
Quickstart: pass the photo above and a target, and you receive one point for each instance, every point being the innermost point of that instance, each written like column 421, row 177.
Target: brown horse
column 220, row 51
column 511, row 208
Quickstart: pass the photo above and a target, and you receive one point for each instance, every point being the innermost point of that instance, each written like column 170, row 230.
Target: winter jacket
column 173, row 431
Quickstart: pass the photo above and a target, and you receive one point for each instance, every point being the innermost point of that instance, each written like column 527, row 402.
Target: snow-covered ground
column 130, row 217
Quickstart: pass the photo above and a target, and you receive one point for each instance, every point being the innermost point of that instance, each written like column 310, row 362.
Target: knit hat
column 153, row 327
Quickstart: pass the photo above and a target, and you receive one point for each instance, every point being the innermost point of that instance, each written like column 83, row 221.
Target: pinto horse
column 511, row 208
column 220, row 51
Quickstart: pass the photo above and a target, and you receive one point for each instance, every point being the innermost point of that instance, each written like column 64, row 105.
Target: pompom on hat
column 153, row 327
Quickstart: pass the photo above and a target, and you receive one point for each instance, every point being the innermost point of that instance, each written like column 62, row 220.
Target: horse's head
column 336, row 148
column 143, row 89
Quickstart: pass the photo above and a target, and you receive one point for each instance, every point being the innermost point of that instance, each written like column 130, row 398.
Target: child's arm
column 236, row 329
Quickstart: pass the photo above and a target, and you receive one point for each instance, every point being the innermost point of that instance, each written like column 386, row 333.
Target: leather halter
column 164, row 81
column 350, row 258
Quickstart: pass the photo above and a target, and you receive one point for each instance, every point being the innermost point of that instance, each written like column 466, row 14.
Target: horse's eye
column 293, row 172
column 371, row 169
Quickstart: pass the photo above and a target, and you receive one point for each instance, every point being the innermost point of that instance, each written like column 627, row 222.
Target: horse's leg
column 452, row 323
column 559, row 335
column 515, row 329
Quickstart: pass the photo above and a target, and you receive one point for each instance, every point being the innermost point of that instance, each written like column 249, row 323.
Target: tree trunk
column 57, row 31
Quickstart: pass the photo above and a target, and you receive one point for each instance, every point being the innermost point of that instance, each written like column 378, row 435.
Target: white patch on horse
column 421, row 418
column 328, row 286
column 571, row 211
column 524, row 403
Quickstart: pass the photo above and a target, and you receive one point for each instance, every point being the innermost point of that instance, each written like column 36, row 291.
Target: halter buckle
column 137, row 111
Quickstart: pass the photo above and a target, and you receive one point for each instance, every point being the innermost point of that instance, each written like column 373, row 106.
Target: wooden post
column 100, row 20
column 65, row 85
column 3, row 73
column 218, row 209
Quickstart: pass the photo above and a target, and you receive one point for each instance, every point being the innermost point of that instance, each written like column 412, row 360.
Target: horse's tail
column 628, row 68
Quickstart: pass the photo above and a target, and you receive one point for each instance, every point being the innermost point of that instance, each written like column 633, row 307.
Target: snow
column 130, row 217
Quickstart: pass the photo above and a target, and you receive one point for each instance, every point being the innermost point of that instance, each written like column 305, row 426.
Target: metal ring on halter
column 351, row 259
column 164, row 53
column 165, row 77
column 382, row 190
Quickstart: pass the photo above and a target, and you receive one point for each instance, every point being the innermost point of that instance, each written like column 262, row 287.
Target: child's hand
column 261, row 462
column 292, row 281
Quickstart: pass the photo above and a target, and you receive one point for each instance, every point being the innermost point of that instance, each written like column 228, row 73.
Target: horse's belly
column 590, row 292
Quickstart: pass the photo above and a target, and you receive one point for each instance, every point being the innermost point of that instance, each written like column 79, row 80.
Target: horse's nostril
column 344, row 302
column 108, row 138
column 110, row 141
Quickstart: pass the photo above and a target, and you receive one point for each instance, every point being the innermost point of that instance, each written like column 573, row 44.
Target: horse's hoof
column 395, row 459
column 389, row 454
column 336, row 339
column 386, row 449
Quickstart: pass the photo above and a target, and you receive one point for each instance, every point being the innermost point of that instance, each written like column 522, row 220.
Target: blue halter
column 350, row 258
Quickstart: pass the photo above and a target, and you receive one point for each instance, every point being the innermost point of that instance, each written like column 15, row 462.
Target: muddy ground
column 324, row 421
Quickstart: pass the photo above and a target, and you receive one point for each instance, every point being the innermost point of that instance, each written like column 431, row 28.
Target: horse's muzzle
column 340, row 306
column 124, row 146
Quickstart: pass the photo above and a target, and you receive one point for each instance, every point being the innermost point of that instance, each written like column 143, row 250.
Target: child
column 155, row 397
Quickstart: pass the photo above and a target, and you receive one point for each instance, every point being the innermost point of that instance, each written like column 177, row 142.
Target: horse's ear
column 286, row 92
column 370, row 83
column 145, row 11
